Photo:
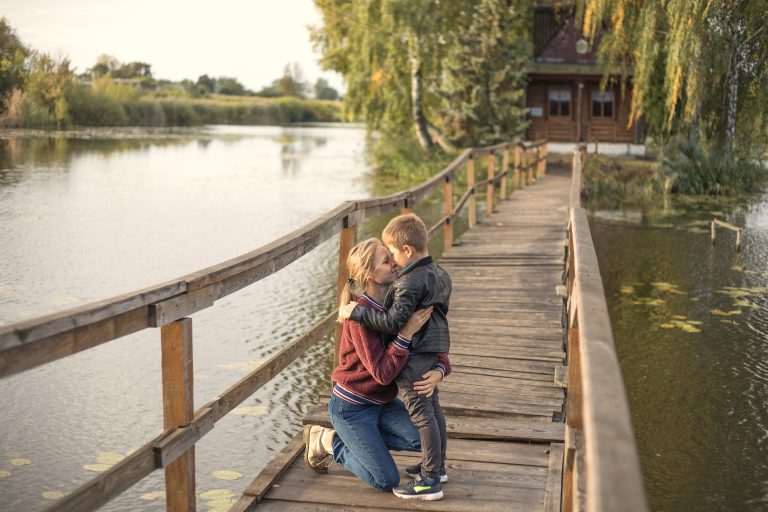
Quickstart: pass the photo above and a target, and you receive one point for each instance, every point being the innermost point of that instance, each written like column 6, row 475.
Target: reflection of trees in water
column 58, row 149
column 293, row 149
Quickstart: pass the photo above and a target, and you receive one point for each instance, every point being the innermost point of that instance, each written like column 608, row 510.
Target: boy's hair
column 406, row 229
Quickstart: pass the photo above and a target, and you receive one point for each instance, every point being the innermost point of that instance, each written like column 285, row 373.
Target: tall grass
column 121, row 106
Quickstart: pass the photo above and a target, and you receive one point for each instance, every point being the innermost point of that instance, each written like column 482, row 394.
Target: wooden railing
column 28, row 344
column 601, row 469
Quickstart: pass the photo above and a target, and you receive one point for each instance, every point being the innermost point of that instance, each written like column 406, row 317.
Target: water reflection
column 128, row 213
column 691, row 326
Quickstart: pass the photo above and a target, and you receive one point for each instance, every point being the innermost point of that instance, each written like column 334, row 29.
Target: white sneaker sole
column 426, row 497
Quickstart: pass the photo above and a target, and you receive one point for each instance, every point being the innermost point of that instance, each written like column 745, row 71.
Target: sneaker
column 315, row 455
column 416, row 470
column 420, row 488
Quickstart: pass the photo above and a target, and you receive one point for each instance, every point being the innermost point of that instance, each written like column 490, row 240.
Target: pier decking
column 503, row 408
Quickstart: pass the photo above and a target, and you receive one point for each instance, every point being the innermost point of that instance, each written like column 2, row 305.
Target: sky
column 251, row 40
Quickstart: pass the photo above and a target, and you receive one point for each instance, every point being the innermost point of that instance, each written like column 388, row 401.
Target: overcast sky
column 250, row 40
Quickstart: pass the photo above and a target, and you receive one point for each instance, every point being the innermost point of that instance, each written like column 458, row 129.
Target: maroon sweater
column 367, row 370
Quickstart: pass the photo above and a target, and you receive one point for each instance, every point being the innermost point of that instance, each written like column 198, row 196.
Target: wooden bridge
column 535, row 406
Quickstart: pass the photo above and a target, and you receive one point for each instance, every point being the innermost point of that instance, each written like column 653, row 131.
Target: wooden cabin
column 563, row 96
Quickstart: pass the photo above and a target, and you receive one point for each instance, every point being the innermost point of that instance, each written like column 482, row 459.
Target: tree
column 292, row 82
column 390, row 53
column 13, row 55
column 49, row 82
column 229, row 86
column 485, row 74
column 207, row 83
column 323, row 91
column 702, row 58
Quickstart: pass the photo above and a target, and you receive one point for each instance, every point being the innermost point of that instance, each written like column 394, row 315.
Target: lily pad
column 110, row 458
column 4, row 473
column 731, row 322
column 720, row 312
column 220, row 504
column 256, row 410
column 53, row 495
column 742, row 303
column 227, row 475
column 215, row 494
column 627, row 289
column 667, row 326
column 679, row 317
column 150, row 496
column 20, row 462
column 97, row 468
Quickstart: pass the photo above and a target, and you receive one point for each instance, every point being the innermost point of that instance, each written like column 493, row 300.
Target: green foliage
column 48, row 83
column 689, row 169
column 703, row 63
column 90, row 107
column 229, row 86
column 485, row 74
column 399, row 162
column 12, row 57
column 622, row 180
column 323, row 91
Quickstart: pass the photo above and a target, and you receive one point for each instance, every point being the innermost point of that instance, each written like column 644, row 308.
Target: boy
column 422, row 283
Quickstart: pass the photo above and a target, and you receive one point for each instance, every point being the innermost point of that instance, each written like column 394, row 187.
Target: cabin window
column 602, row 104
column 559, row 102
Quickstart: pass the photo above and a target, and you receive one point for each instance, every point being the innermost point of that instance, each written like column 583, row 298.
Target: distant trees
column 323, row 91
column 109, row 65
column 13, row 55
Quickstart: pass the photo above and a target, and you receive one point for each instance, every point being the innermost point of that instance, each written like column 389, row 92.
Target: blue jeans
column 364, row 436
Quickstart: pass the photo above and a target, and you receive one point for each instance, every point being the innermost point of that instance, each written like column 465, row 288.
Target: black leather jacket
column 421, row 285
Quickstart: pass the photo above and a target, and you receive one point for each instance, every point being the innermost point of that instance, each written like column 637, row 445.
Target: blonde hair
column 360, row 263
column 406, row 229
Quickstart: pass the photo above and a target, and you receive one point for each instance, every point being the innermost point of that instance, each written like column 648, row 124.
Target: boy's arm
column 393, row 319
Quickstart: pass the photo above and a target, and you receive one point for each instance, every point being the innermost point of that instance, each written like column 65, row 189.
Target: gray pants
column 425, row 412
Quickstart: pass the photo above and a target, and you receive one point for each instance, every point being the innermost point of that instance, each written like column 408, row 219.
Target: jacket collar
column 420, row 263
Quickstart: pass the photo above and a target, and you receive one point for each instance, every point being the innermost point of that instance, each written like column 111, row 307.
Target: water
column 89, row 215
column 699, row 400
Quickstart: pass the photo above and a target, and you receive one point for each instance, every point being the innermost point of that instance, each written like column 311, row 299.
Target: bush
column 691, row 170
column 95, row 108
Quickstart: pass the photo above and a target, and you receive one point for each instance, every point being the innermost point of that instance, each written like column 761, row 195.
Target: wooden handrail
column 25, row 345
column 601, row 458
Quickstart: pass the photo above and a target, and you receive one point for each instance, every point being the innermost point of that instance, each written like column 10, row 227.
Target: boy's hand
column 346, row 311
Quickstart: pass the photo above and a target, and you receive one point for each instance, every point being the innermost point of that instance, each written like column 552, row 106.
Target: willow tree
column 484, row 80
column 701, row 64
column 390, row 54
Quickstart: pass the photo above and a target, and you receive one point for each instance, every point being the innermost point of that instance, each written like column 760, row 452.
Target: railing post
column 528, row 167
column 516, row 171
column 544, row 160
column 504, row 172
column 347, row 240
column 489, row 186
column 406, row 207
column 178, row 410
column 448, row 211
column 472, row 215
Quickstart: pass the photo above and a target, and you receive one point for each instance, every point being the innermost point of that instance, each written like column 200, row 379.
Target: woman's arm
column 384, row 364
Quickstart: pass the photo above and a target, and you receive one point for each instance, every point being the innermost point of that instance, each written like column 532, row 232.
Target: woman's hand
column 427, row 386
column 346, row 311
column 416, row 322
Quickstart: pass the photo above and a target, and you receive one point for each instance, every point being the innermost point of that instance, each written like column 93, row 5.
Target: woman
column 368, row 418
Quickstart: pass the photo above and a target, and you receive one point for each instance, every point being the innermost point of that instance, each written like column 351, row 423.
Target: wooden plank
column 178, row 409
column 35, row 353
column 561, row 376
column 272, row 472
column 47, row 326
column 553, row 491
column 177, row 307
column 466, row 427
